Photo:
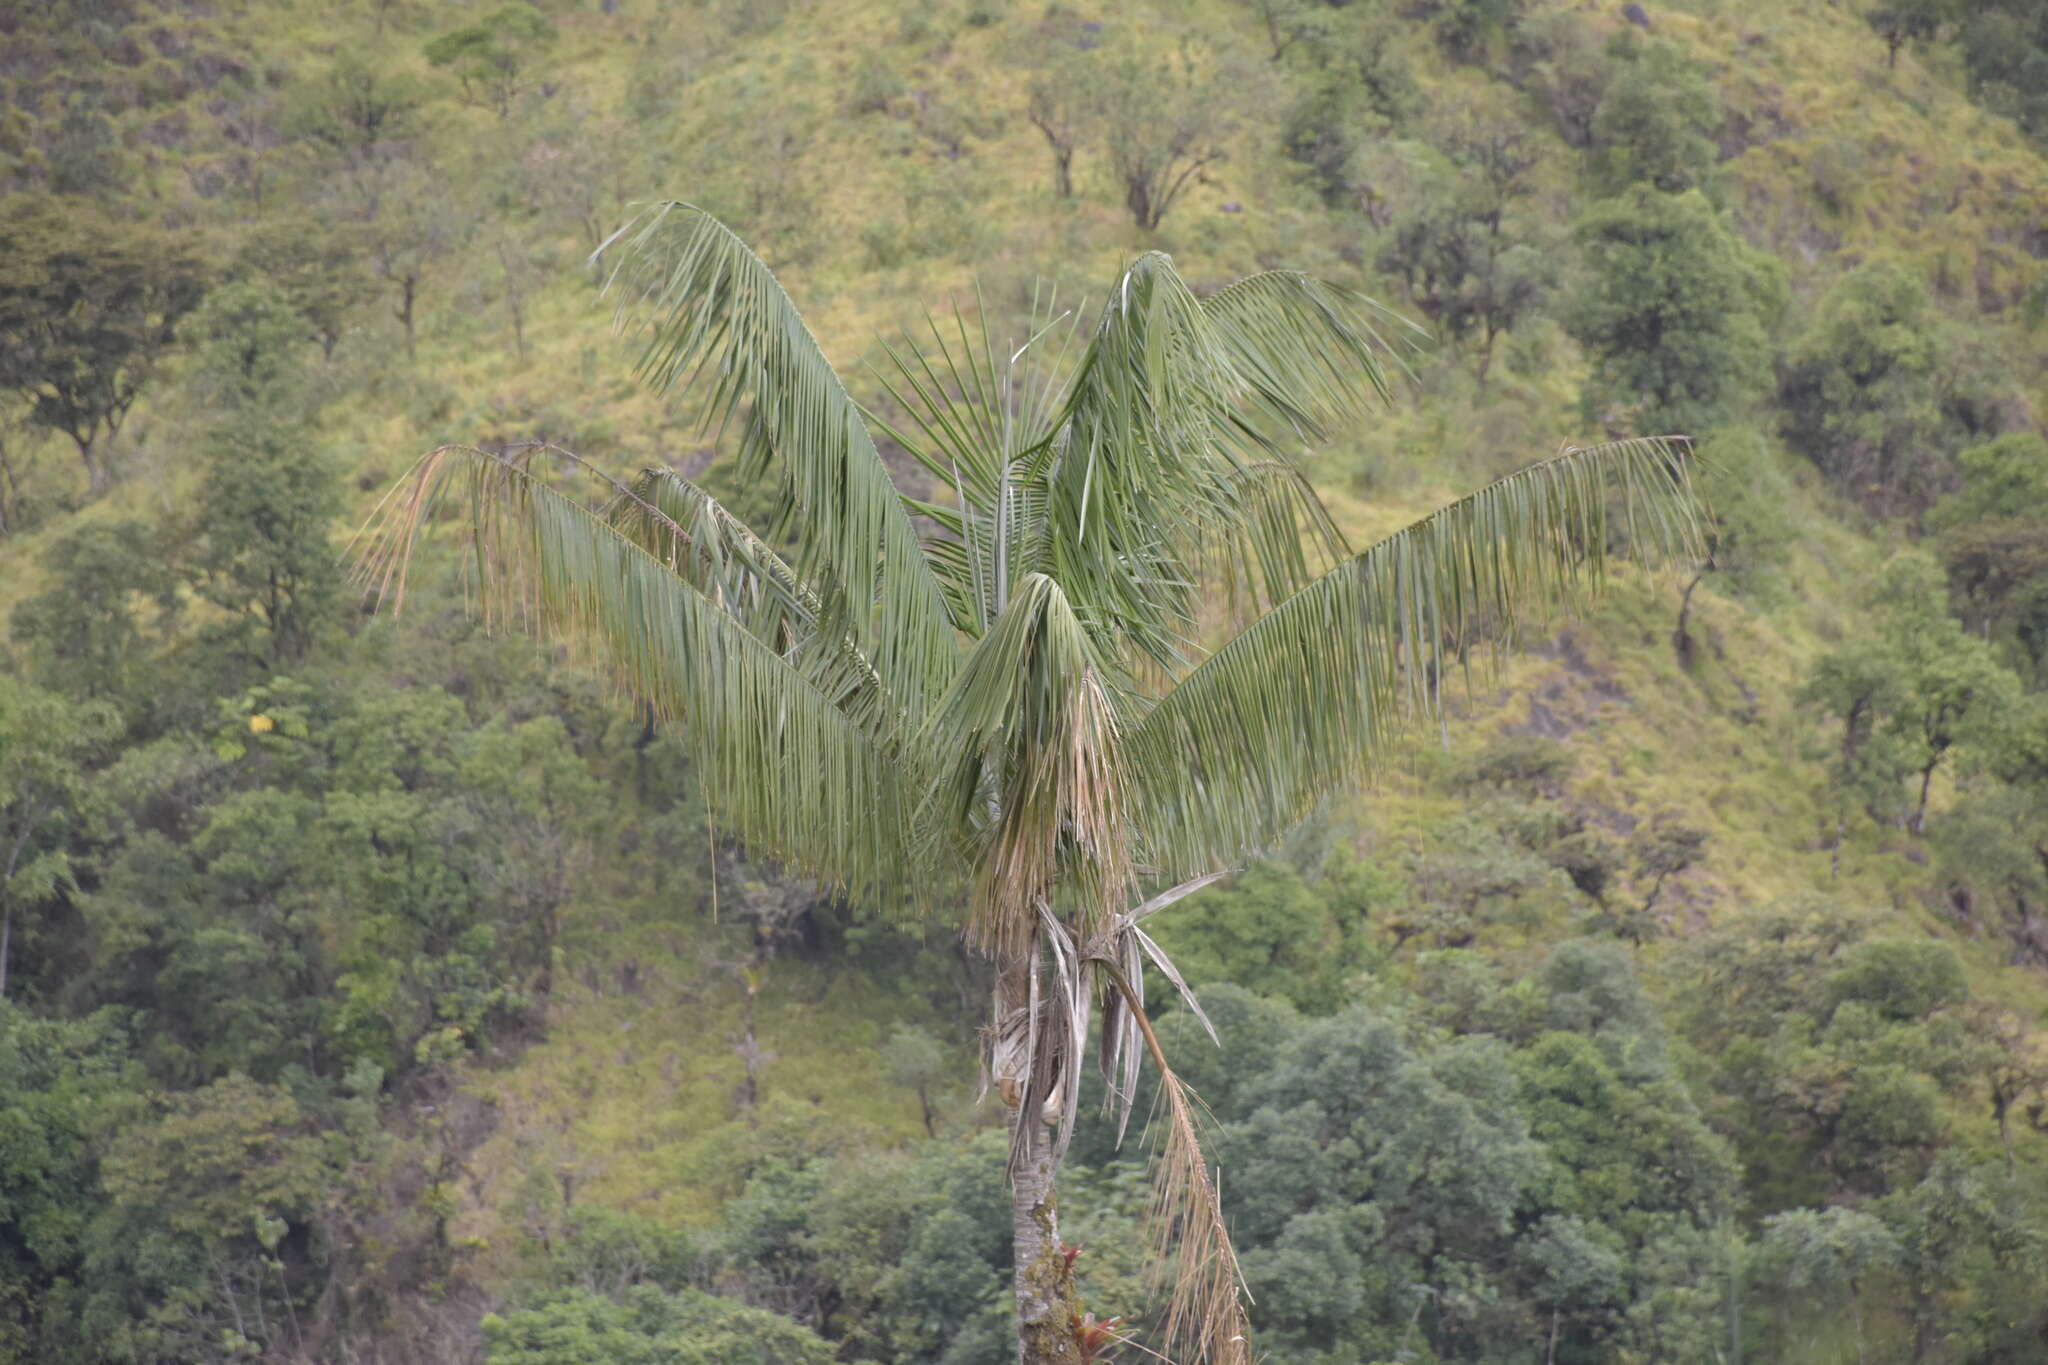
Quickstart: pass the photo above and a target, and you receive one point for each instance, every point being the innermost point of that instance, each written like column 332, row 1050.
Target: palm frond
column 1311, row 696
column 684, row 526
column 787, row 769
column 1134, row 450
column 970, row 408
column 1180, row 416
column 1034, row 774
column 1301, row 347
column 1267, row 537
column 714, row 316
column 1205, row 1318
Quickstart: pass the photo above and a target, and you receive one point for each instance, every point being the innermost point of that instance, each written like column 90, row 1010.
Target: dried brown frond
column 1192, row 1251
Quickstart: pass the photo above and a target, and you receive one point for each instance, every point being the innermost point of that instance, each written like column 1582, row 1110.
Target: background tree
column 1673, row 313
column 1750, row 531
column 1872, row 391
column 1468, row 257
column 1900, row 22
column 48, row 809
column 982, row 701
column 915, row 1059
column 2005, row 49
column 1911, row 694
column 88, row 306
column 1656, row 119
column 1164, row 122
column 262, row 553
column 645, row 1326
column 1994, row 543
column 494, row 56
column 112, row 590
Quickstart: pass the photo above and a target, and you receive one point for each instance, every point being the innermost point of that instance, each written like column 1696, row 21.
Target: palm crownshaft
column 999, row 692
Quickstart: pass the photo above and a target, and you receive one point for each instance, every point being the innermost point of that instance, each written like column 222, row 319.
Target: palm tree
column 1001, row 697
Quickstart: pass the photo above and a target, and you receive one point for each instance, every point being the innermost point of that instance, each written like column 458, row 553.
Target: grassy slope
column 632, row 1086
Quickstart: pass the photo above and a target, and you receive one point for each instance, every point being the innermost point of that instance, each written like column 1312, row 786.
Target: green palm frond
column 1306, row 352
column 1311, row 696
column 971, row 411
column 785, row 767
column 1277, row 537
column 683, row 526
column 1034, row 777
column 715, row 318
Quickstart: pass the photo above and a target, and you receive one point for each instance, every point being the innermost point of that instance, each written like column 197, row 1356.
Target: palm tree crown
column 1001, row 693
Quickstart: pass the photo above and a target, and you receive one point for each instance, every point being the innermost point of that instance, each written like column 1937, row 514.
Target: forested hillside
column 375, row 985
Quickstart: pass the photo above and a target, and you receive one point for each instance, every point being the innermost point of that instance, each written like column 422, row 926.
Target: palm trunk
column 1047, row 1306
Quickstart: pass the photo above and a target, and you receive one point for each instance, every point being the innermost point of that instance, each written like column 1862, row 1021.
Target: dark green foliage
column 1268, row 931
column 86, row 633
column 2005, row 48
column 1901, row 979
column 51, row 817
column 89, row 304
column 1910, row 694
column 58, row 1080
column 1359, row 83
column 1876, row 395
column 648, row 1327
column 1994, row 543
column 1655, row 120
column 1673, row 314
column 1471, row 258
column 1900, row 22
column 262, row 552
column 1465, row 27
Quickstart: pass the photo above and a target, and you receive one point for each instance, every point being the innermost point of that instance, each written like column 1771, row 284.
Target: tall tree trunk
column 1681, row 638
column 2001, row 1105
column 1047, row 1307
column 1046, row 1304
column 408, row 287
column 6, row 945
column 95, row 468
column 1926, row 781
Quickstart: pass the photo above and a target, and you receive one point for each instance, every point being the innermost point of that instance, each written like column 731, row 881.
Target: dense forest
column 377, row 985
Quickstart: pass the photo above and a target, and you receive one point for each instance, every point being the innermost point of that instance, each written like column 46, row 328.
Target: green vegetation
column 393, row 989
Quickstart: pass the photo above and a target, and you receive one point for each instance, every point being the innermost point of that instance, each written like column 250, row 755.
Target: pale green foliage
column 915, row 1059
column 493, row 56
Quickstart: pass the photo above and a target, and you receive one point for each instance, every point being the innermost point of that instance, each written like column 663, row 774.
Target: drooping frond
column 716, row 319
column 1191, row 1246
column 1308, row 698
column 1275, row 538
column 1034, row 775
column 682, row 525
column 787, row 770
column 1307, row 352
